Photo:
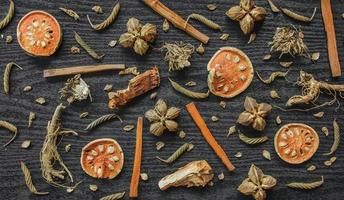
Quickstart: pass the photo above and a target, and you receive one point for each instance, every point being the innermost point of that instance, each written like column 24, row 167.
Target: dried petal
column 148, row 32
column 255, row 174
column 268, row 182
column 247, row 187
column 250, row 104
column 161, row 107
column 258, row 13
column 127, row 40
column 133, row 25
column 245, row 118
column 141, row 46
column 236, row 13
column 247, row 4
column 259, row 124
column 172, row 113
column 171, row 125
column 260, row 195
column 152, row 115
column 247, row 24
column 157, row 128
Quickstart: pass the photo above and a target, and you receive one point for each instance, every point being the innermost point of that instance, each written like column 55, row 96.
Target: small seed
column 325, row 130
column 211, row 7
column 75, row 50
column 70, row 189
column 159, row 145
column 315, row 56
column 97, row 9
column 200, row 49
column 190, row 147
column 182, row 134
column 214, row 118
column 128, row 127
column 9, row 39
column 111, row 95
column 153, row 95
column 278, row 120
column 236, row 59
column 112, row 43
column 242, row 68
column 252, row 38
column 93, row 187
column 83, row 115
column 26, row 144
column 165, row 26
column 274, row 94
column 319, row 115
column 27, row 88
column 286, row 64
column 144, row 176
column 108, row 87
column 221, row 176
column 222, row 104
column 32, row 116
column 328, row 163
column 231, row 130
column 68, row 147
column 266, row 154
column 238, row 155
column 224, row 37
column 333, row 159
column 191, row 84
column 267, row 57
column 311, row 168
column 40, row 100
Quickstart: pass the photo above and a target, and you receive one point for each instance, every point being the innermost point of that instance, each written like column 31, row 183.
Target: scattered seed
column 286, row 64
column 128, row 127
column 222, row 104
column 97, row 9
column 274, row 94
column 9, row 39
column 333, row 159
column 214, row 118
column 144, row 176
column 278, row 120
column 190, row 147
column 68, row 147
column 224, row 37
column 319, row 115
column 40, row 100
column 315, row 56
column 231, row 130
column 153, row 95
column 343, row 15
column 238, row 155
column 211, row 7
column 93, row 187
column 165, row 26
column 328, row 163
column 221, row 176
column 26, row 144
column 112, row 43
column 83, row 115
column 111, row 95
column 32, row 116
column 108, row 87
column 75, row 50
column 267, row 57
column 252, row 38
column 200, row 49
column 182, row 134
column 211, row 183
column 191, row 83
column 266, row 154
column 325, row 130
column 159, row 145
column 311, row 168
column 27, row 88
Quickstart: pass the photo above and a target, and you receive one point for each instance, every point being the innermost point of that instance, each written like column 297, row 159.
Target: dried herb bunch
column 138, row 37
column 254, row 114
column 178, row 54
column 289, row 40
column 246, row 14
column 75, row 89
column 162, row 117
column 256, row 183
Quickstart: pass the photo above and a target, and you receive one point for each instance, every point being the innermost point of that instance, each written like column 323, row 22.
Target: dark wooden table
column 16, row 107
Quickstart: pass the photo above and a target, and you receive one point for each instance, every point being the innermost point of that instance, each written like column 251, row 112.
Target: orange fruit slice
column 230, row 72
column 296, row 143
column 102, row 158
column 39, row 33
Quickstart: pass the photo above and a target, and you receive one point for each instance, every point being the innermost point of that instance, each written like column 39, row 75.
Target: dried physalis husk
column 75, row 50
column 165, row 26
column 221, row 176
column 97, row 9
column 278, row 120
column 83, row 115
column 141, row 46
column 267, row 57
column 159, row 145
column 108, row 87
column 325, row 130
column 182, row 134
column 311, row 168
column 238, row 155
column 27, row 88
column 224, row 36
column 266, row 154
column 315, row 56
column 200, row 49
column 319, row 115
column 214, row 118
column 127, row 40
column 144, row 176
column 286, row 64
column 128, row 127
column 231, row 130
column 211, row 7
column 93, row 187
column 274, row 94
column 26, row 144
column 40, row 100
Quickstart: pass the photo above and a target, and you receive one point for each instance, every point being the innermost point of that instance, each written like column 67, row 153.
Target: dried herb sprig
column 180, row 151
column 336, row 138
column 177, row 55
column 306, row 186
column 115, row 196
column 7, row 19
column 108, row 21
column 28, row 180
column 11, row 128
column 186, row 92
column 87, row 48
column 101, row 120
column 252, row 140
column 70, row 13
column 7, row 75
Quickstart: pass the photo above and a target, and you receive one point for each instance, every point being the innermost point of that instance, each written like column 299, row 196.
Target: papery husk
column 247, row 4
column 172, row 113
column 258, row 13
column 236, row 13
column 127, row 40
column 133, row 25
column 140, row 46
column 157, row 128
column 171, row 125
column 247, row 24
column 152, row 116
column 148, row 32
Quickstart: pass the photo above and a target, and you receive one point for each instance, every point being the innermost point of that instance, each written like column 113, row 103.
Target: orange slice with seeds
column 102, row 158
column 230, row 72
column 39, row 33
column 296, row 143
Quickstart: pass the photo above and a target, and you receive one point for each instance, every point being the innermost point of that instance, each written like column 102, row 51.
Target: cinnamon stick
column 176, row 20
column 191, row 108
column 80, row 70
column 135, row 178
column 331, row 37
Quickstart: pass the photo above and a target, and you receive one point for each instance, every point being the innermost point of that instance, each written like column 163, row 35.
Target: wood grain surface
column 16, row 107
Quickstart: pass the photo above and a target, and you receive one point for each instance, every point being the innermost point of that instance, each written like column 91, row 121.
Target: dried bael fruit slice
column 102, row 158
column 296, row 143
column 230, row 72
column 39, row 33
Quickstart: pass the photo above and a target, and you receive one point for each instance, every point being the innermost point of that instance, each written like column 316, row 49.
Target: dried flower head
column 138, row 37
column 289, row 40
column 246, row 14
column 162, row 117
column 75, row 89
column 254, row 114
column 177, row 55
column 256, row 183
